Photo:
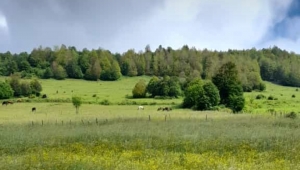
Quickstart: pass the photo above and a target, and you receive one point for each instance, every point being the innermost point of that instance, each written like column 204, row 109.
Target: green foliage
column 236, row 103
column 152, row 86
column 5, row 90
column 105, row 102
column 272, row 64
column 76, row 102
column 139, row 90
column 229, row 86
column 111, row 73
column 260, row 96
column 94, row 70
column 36, row 87
column 26, row 89
column 201, row 96
column 48, row 73
column 291, row 115
column 73, row 70
column 212, row 93
column 164, row 87
column 271, row 97
column 15, row 85
column 59, row 72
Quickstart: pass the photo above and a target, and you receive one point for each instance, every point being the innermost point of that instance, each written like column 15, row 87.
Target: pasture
column 122, row 137
column 119, row 136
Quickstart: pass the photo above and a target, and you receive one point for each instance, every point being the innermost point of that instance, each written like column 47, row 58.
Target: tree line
column 15, row 87
column 253, row 66
column 225, row 88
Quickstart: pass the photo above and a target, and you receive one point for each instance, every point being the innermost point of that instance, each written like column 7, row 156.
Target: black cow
column 33, row 109
column 167, row 109
column 5, row 103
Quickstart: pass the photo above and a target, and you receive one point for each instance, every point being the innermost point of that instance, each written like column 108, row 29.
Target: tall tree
column 229, row 86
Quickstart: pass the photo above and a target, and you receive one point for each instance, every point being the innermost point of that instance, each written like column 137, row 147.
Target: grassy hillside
column 116, row 92
column 122, row 137
column 286, row 99
column 119, row 92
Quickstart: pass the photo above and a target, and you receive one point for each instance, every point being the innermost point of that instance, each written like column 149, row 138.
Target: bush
column 291, row 115
column 236, row 103
column 94, row 95
column 139, row 90
column 260, row 96
column 271, row 97
column 293, row 96
column 201, row 96
column 105, row 102
column 5, row 91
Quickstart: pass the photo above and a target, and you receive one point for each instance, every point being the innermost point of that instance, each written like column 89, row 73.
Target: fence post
column 42, row 122
column 32, row 123
column 62, row 122
column 82, row 121
column 149, row 118
column 96, row 121
column 206, row 117
column 165, row 118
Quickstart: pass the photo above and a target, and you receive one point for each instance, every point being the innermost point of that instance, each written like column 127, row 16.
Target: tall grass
column 124, row 138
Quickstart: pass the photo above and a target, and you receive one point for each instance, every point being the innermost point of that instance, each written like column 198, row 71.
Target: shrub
column 201, row 96
column 260, row 96
column 76, row 102
column 5, row 90
column 139, row 90
column 291, row 115
column 105, row 102
column 293, row 96
column 236, row 103
column 271, row 97
column 296, row 89
column 94, row 95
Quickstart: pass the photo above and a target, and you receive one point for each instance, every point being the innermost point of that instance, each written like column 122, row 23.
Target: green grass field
column 122, row 137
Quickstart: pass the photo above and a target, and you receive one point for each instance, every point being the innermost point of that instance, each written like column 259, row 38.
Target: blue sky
column 119, row 25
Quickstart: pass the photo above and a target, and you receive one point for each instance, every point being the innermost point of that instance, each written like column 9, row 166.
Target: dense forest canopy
column 272, row 64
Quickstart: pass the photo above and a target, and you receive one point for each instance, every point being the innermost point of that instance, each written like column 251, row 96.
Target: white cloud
column 212, row 24
column 291, row 40
column 3, row 24
column 4, row 31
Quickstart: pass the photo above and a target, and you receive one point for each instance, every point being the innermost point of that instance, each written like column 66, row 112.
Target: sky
column 119, row 25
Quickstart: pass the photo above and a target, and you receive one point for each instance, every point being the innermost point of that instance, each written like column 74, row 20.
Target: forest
column 270, row 64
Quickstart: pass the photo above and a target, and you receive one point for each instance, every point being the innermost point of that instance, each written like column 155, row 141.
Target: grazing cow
column 10, row 102
column 141, row 108
column 33, row 109
column 19, row 101
column 159, row 109
column 7, row 102
column 167, row 109
column 4, row 103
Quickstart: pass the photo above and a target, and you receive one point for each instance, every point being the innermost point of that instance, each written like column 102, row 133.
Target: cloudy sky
column 119, row 25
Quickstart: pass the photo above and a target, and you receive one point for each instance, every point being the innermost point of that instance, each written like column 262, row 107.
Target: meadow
column 118, row 136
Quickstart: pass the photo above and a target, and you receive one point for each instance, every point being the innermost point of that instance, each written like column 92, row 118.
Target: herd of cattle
column 159, row 109
column 18, row 101
column 139, row 107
